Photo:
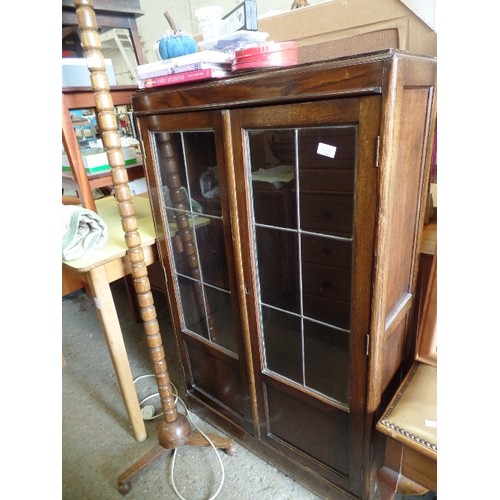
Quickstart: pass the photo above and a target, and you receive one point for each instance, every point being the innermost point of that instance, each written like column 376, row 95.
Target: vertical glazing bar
column 299, row 244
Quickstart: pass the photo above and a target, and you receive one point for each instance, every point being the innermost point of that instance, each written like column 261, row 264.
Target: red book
column 170, row 70
column 187, row 76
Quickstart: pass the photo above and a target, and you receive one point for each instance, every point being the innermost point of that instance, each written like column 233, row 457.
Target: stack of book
column 202, row 65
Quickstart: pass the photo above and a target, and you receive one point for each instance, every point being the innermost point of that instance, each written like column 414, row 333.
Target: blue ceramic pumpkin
column 176, row 43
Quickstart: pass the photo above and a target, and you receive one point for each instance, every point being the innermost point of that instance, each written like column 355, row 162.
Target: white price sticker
column 326, row 150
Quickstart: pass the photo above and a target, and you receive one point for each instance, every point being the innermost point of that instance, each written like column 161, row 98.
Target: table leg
column 108, row 318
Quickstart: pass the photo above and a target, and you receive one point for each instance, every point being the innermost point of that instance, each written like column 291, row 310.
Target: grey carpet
column 97, row 441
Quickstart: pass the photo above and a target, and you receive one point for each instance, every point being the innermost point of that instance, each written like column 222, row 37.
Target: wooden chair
column 410, row 420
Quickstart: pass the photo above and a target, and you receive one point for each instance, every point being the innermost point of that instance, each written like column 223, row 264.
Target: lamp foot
column 172, row 436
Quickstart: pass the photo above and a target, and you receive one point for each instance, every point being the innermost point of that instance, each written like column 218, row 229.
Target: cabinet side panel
column 393, row 349
column 406, row 186
column 406, row 189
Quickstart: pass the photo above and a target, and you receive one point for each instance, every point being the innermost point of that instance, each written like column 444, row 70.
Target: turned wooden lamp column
column 185, row 229
column 175, row 429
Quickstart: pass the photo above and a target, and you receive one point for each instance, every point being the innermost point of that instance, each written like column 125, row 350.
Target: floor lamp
column 175, row 429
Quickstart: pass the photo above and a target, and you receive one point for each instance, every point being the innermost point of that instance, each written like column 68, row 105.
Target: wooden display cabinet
column 291, row 303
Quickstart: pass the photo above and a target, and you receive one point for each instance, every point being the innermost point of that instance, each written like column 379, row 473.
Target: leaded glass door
column 310, row 174
column 190, row 184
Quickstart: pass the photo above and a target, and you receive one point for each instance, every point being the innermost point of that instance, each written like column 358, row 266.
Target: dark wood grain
column 308, row 403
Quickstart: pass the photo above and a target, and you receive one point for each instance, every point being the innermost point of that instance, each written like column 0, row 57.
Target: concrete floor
column 97, row 441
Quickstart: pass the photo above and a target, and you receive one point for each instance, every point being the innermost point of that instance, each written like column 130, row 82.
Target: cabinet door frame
column 365, row 113
column 198, row 121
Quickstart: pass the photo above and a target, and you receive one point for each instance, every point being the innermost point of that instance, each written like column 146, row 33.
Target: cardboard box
column 96, row 160
column 75, row 72
column 329, row 30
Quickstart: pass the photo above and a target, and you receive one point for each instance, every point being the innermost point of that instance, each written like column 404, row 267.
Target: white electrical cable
column 188, row 414
column 172, row 463
column 156, row 394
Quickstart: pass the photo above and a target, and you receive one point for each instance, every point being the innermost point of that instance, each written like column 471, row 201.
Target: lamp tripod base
column 172, row 435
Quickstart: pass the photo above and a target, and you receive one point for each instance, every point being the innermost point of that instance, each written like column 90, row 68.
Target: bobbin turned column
column 175, row 429
column 184, row 226
column 174, row 426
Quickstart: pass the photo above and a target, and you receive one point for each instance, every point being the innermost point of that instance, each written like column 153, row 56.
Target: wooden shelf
column 429, row 239
column 83, row 98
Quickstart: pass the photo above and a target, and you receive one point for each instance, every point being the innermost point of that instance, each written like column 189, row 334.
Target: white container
column 209, row 21
column 208, row 13
column 96, row 159
column 210, row 29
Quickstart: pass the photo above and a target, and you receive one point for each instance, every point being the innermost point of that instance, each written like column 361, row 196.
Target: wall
column 153, row 24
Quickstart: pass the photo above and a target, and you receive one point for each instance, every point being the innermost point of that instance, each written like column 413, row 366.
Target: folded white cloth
column 82, row 230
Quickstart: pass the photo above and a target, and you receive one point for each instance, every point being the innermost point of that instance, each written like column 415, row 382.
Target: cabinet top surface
column 361, row 74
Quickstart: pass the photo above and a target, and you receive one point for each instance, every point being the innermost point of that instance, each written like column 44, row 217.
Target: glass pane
column 187, row 165
column 272, row 159
column 183, row 240
column 326, row 279
column 278, row 274
column 326, row 165
column 326, row 353
column 193, row 305
column 302, row 183
column 211, row 245
column 221, row 318
column 283, row 343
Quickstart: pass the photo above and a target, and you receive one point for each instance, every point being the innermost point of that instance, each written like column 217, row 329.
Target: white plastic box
column 96, row 161
column 75, row 72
